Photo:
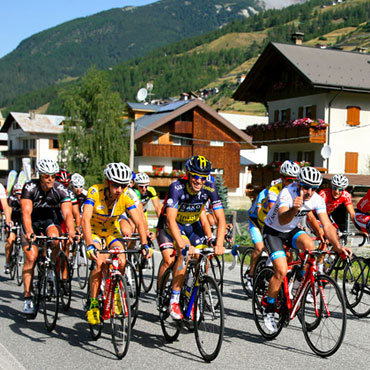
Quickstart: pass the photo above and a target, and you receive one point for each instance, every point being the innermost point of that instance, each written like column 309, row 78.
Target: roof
column 151, row 122
column 40, row 123
column 327, row 69
column 245, row 161
column 354, row 180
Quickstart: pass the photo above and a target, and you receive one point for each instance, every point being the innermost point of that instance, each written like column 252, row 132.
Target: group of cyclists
column 56, row 203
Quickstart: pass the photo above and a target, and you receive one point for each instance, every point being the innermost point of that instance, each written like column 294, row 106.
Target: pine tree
column 94, row 132
column 222, row 191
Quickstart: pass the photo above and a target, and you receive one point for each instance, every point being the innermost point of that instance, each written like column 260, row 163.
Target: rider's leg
column 9, row 247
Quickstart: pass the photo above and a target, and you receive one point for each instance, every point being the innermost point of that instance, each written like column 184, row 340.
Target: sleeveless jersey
column 331, row 203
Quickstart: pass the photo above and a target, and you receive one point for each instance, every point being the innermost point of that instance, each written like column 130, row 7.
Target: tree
column 222, row 191
column 94, row 132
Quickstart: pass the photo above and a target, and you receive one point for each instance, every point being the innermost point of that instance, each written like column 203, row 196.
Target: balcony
column 20, row 153
column 164, row 150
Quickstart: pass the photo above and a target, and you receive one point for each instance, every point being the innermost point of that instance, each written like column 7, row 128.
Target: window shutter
column 288, row 114
column 353, row 116
column 299, row 156
column 313, row 112
column 351, row 163
column 300, row 112
column 276, row 116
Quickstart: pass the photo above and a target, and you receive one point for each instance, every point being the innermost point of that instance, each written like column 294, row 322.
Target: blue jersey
column 253, row 211
column 189, row 206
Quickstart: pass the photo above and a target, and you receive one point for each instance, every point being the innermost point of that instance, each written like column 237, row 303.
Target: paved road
column 27, row 344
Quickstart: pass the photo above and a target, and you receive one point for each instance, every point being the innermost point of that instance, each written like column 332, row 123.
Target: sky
column 21, row 19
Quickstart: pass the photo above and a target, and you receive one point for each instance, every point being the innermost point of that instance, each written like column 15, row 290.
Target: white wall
column 144, row 164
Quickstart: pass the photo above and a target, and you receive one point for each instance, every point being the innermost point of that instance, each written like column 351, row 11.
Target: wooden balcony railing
column 165, row 150
column 20, row 153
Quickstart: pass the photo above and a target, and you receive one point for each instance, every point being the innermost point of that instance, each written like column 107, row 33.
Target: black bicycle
column 17, row 258
column 79, row 262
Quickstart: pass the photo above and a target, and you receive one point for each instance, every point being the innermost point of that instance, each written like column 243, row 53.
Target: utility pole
column 132, row 144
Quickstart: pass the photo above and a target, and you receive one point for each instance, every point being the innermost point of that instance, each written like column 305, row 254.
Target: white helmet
column 47, row 166
column 77, row 181
column 17, row 188
column 142, row 179
column 340, row 181
column 289, row 168
column 310, row 176
column 118, row 172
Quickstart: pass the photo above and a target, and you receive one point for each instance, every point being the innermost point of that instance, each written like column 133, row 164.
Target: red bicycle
column 318, row 304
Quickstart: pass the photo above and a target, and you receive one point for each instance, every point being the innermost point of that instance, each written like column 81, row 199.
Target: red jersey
column 364, row 204
column 331, row 203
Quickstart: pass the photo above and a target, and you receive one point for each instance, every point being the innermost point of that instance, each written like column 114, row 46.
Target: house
column 169, row 134
column 298, row 84
column 31, row 135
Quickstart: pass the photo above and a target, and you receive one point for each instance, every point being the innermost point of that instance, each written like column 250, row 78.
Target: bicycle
column 45, row 283
column 200, row 295
column 16, row 258
column 323, row 321
column 78, row 261
column 114, row 304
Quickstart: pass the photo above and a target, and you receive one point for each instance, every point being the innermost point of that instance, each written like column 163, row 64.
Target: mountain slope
column 108, row 38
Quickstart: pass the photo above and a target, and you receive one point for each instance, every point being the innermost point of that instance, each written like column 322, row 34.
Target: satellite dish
column 149, row 86
column 325, row 151
column 141, row 94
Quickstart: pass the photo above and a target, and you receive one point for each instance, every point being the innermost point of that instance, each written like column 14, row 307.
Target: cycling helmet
column 142, row 179
column 310, row 176
column 47, row 166
column 289, row 169
column 118, row 172
column 340, row 181
column 64, row 177
column 77, row 181
column 199, row 164
column 17, row 188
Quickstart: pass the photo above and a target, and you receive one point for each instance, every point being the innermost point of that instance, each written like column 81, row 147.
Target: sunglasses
column 144, row 186
column 337, row 188
column 196, row 176
column 46, row 176
column 116, row 185
column 308, row 187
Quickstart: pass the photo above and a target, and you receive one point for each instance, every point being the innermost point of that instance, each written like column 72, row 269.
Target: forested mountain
column 108, row 38
column 217, row 57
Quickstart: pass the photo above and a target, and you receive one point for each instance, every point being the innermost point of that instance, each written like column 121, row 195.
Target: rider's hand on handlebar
column 146, row 251
column 346, row 252
column 219, row 250
column 30, row 237
column 92, row 252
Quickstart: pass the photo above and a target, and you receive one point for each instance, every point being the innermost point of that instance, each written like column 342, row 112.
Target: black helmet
column 199, row 164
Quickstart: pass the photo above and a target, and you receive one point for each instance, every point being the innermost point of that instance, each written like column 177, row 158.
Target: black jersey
column 15, row 205
column 45, row 205
column 81, row 199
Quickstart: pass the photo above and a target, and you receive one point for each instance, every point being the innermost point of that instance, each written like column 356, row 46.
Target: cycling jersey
column 132, row 194
column 270, row 198
column 45, row 205
column 285, row 199
column 145, row 198
column 189, row 206
column 15, row 205
column 81, row 199
column 331, row 203
column 2, row 192
column 364, row 204
column 253, row 211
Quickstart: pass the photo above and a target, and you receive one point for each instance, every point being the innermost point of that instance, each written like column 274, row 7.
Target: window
column 285, row 115
column 10, row 145
column 280, row 157
column 11, row 165
column 25, row 144
column 179, row 141
column 32, row 144
column 216, row 143
column 155, row 139
column 276, row 116
column 178, row 165
column 15, row 125
column 53, row 144
column 353, row 116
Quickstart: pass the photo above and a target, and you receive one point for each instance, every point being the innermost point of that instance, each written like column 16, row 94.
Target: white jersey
column 2, row 192
column 285, row 199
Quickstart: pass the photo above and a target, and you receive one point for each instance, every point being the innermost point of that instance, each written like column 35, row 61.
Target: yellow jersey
column 265, row 203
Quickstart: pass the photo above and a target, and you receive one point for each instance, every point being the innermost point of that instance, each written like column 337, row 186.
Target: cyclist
column 16, row 216
column 362, row 214
column 281, row 228
column 4, row 207
column 179, row 225
column 103, row 206
column 78, row 183
column 146, row 193
column 288, row 174
column 41, row 200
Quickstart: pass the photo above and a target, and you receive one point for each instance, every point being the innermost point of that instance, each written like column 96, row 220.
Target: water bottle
column 189, row 284
column 328, row 262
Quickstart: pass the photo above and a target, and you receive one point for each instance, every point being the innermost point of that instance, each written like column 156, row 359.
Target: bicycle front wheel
column 355, row 287
column 147, row 273
column 65, row 290
column 327, row 309
column 245, row 266
column 50, row 297
column 133, row 290
column 82, row 265
column 95, row 330
column 120, row 317
column 209, row 318
column 19, row 265
column 216, row 271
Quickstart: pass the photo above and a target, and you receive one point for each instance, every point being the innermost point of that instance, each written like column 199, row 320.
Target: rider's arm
column 76, row 214
column 312, row 221
column 86, row 223
column 27, row 208
column 288, row 210
column 66, row 208
column 205, row 224
column 7, row 210
column 221, row 227
column 351, row 211
column 140, row 222
column 157, row 206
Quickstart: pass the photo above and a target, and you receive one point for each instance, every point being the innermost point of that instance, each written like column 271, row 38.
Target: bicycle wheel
column 82, row 265
column 355, row 287
column 65, row 290
column 120, row 317
column 133, row 289
column 36, row 288
column 261, row 263
column 19, row 265
column 209, row 318
column 13, row 264
column 135, row 261
column 245, row 266
column 328, row 304
column 261, row 283
column 95, row 330
column 169, row 327
column 215, row 270
column 147, row 272
column 50, row 297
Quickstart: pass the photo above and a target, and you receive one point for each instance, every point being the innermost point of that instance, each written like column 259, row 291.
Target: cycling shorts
column 275, row 241
column 194, row 233
column 362, row 221
column 254, row 230
column 39, row 227
column 110, row 235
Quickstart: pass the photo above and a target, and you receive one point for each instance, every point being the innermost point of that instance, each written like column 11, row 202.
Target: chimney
column 32, row 114
column 297, row 37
